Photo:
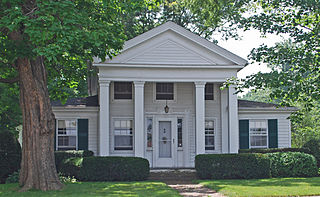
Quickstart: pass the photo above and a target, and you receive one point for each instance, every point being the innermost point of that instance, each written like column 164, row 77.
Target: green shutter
column 273, row 133
column 83, row 134
column 244, row 134
column 55, row 134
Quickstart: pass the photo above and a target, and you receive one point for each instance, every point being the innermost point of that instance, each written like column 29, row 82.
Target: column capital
column 104, row 82
column 138, row 83
column 200, row 84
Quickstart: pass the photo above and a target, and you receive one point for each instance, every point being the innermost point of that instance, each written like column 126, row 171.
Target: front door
column 165, row 155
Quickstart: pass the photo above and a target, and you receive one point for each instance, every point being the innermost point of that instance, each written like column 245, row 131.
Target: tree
column 50, row 38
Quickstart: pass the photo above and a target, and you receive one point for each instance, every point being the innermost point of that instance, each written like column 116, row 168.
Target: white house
column 160, row 99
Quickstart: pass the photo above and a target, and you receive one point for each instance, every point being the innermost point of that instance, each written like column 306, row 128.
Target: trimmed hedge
column 106, row 168
column 292, row 164
column 63, row 155
column 313, row 146
column 273, row 150
column 10, row 155
column 232, row 166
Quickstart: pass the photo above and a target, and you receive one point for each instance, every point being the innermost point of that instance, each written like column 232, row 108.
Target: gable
column 170, row 44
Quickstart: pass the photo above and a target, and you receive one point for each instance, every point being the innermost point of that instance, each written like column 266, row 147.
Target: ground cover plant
column 93, row 189
column 266, row 187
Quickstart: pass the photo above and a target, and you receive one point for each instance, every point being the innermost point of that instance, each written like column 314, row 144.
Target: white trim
column 152, row 65
column 112, row 151
column 75, row 109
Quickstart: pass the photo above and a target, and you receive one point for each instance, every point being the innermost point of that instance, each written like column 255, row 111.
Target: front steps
column 173, row 175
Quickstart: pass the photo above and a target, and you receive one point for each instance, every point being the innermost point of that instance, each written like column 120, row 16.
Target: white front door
column 165, row 153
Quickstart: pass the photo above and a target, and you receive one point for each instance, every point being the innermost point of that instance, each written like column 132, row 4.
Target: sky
column 250, row 39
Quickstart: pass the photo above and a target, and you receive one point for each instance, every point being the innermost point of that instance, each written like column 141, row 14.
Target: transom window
column 209, row 91
column 164, row 91
column 122, row 90
column 67, row 135
column 209, row 135
column 123, row 135
column 258, row 133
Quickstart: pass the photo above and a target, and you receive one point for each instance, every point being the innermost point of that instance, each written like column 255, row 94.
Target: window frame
column 267, row 133
column 112, row 92
column 164, row 101
column 215, row 122
column 113, row 119
column 152, row 132
column 182, row 135
column 57, row 133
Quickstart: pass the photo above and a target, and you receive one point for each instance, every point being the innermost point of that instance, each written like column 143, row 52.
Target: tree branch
column 11, row 80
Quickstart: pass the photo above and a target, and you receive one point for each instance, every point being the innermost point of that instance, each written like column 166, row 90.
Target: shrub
column 10, row 155
column 13, row 178
column 232, row 166
column 106, row 168
column 292, row 164
column 313, row 146
column 62, row 155
column 273, row 150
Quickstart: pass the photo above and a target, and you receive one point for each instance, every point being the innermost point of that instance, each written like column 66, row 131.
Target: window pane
column 123, row 135
column 149, row 132
column 123, row 143
column 209, row 135
column 122, row 90
column 209, row 143
column 164, row 91
column 209, row 91
column 258, row 141
column 179, row 132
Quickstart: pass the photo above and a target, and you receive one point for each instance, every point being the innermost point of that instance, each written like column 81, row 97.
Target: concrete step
column 173, row 175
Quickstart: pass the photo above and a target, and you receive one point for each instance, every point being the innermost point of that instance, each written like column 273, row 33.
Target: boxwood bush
column 232, row 166
column 292, row 164
column 106, row 168
column 313, row 146
column 10, row 155
column 63, row 155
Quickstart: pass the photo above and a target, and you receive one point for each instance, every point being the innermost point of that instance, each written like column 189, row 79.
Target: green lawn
column 266, row 187
column 86, row 189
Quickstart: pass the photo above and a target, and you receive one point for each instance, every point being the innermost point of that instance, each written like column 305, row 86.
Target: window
column 164, row 91
column 122, row 90
column 149, row 132
column 209, row 135
column 209, row 91
column 258, row 134
column 67, row 135
column 123, row 135
column 179, row 126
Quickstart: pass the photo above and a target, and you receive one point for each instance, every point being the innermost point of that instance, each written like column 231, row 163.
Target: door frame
column 158, row 162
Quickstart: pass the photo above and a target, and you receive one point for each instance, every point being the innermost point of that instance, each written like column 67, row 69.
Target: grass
column 79, row 189
column 266, row 187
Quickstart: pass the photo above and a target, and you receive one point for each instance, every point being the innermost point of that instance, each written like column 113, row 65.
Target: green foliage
column 13, row 178
column 292, row 164
column 273, row 150
column 106, row 168
column 10, row 155
column 232, row 166
column 313, row 146
column 60, row 156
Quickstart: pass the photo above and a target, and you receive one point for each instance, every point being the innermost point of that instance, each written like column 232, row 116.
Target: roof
column 91, row 101
column 245, row 104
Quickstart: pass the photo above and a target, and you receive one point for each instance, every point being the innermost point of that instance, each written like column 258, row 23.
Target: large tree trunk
column 38, row 169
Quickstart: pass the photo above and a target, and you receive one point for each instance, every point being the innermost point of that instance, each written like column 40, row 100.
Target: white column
column 139, row 118
column 200, row 117
column 224, row 121
column 104, row 118
column 233, row 121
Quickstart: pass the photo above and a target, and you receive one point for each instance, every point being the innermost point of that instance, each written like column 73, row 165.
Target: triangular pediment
column 169, row 52
column 170, row 44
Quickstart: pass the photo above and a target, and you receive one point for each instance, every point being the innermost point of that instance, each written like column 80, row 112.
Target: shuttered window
column 71, row 134
column 258, row 134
